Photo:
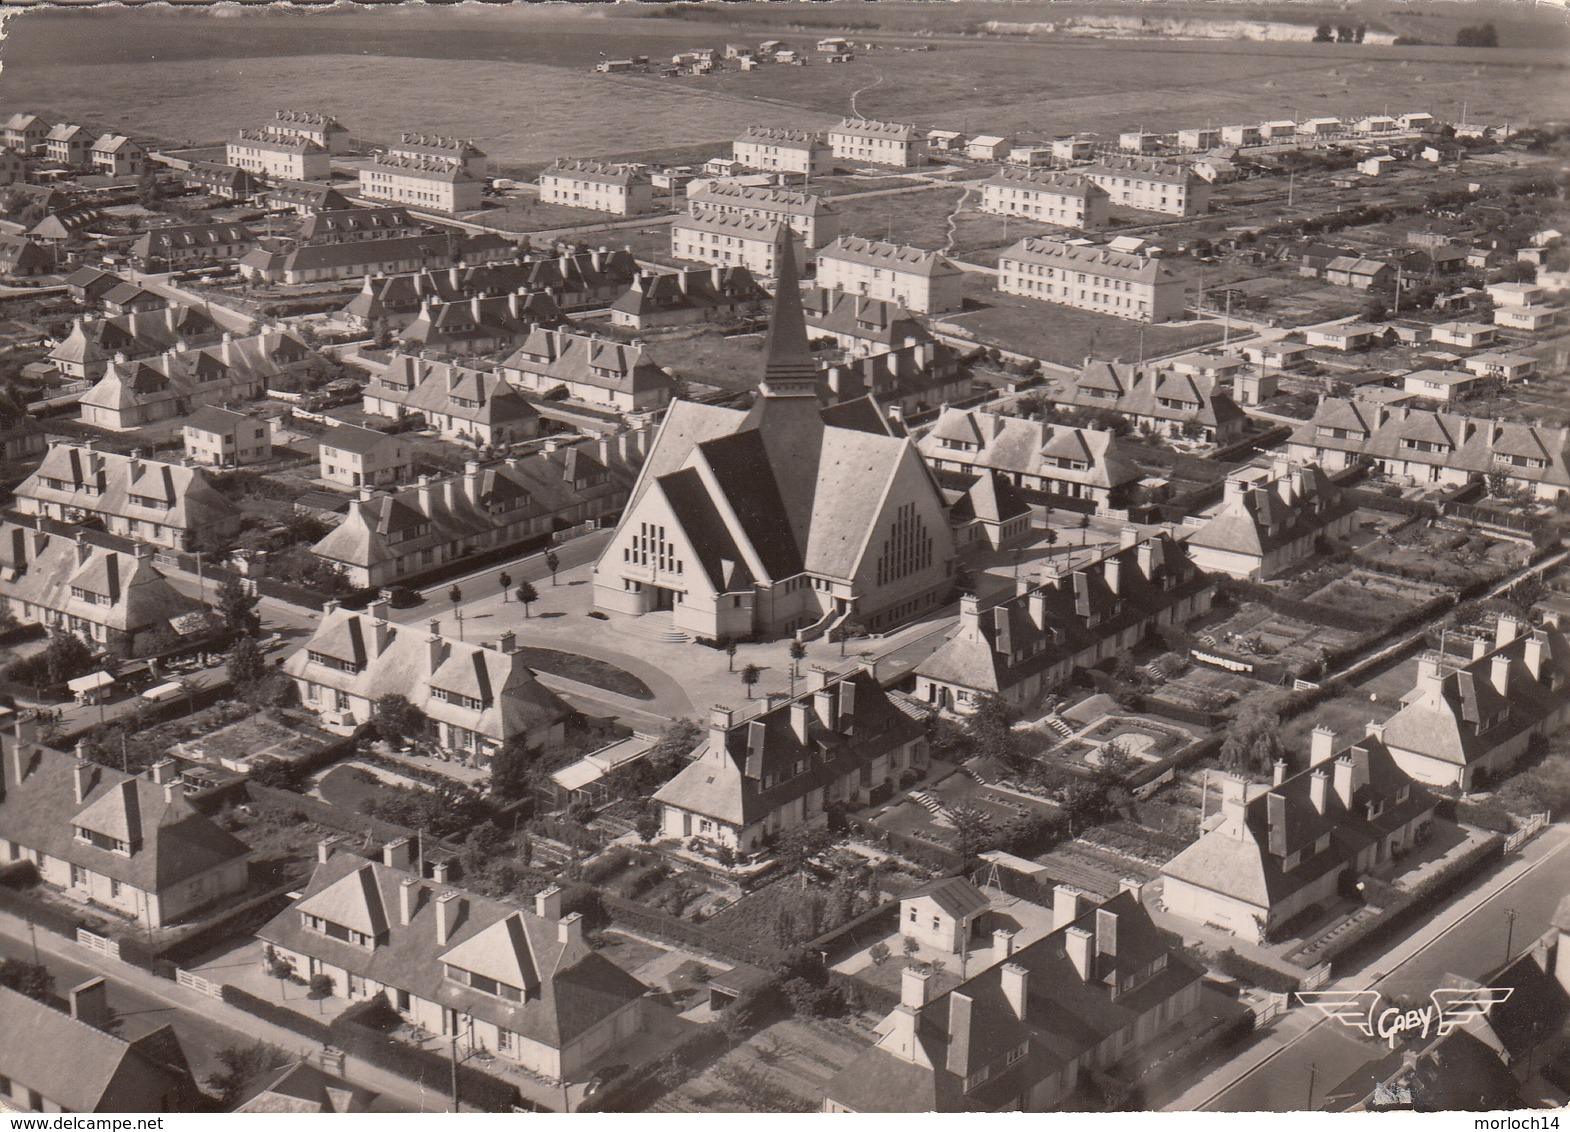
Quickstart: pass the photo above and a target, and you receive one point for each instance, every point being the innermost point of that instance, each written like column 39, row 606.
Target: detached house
column 67, row 144
column 1464, row 725
column 164, row 504
column 1100, row 994
column 1165, row 402
column 478, row 697
column 223, row 438
column 24, row 133
column 115, row 601
column 118, row 156
column 520, row 984
column 130, row 843
column 1078, row 615
column 1269, row 520
column 1050, row 459
column 840, row 741
column 356, row 457
column 1281, row 848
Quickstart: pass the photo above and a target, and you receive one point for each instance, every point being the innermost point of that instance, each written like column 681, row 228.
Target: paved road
column 1467, row 937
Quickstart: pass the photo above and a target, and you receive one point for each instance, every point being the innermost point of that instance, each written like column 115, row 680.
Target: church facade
column 786, row 518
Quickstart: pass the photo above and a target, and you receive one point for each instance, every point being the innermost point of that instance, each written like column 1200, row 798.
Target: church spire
column 789, row 369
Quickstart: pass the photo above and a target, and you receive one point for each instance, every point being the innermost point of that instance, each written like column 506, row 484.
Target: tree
column 750, row 675
column 247, row 666
column 504, row 579
column 879, row 953
column 512, row 770
column 66, row 657
column 1084, row 804
column 798, row 653
column 31, row 979
column 973, row 829
column 990, row 729
column 730, row 656
column 397, row 719
column 148, row 190
column 527, row 595
column 1325, row 34
column 244, row 1068
column 455, row 595
column 1252, row 742
column 647, row 825
column 551, row 564
column 237, row 607
column 321, row 986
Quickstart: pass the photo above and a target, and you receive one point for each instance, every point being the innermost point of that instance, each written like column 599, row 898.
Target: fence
column 99, row 943
column 1276, row 1003
column 1528, row 831
column 198, row 984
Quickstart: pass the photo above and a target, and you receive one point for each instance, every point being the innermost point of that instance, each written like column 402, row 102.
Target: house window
column 913, row 915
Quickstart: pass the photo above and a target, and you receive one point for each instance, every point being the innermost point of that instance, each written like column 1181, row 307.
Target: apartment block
column 774, row 150
column 812, row 218
column 618, row 189
column 1124, row 284
column 437, row 182
column 279, row 155
column 730, row 240
column 1151, row 186
column 878, row 143
column 1055, row 198
column 916, row 279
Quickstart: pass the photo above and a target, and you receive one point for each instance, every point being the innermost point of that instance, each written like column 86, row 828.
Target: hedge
column 427, row 1067
column 312, row 1028
column 1241, row 967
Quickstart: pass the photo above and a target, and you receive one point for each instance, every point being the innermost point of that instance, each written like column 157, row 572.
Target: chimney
column 1532, row 653
column 719, row 725
column 1114, row 572
column 1479, row 648
column 1341, row 780
column 800, row 716
column 381, row 632
column 507, row 642
column 1133, row 886
column 1499, row 674
column 1002, row 943
column 1015, row 988
column 1280, row 772
column 1507, row 630
column 398, row 854
column 817, row 677
column 547, row 903
column 1234, row 804
column 1127, row 537
column 84, row 550
column 1318, row 790
column 824, row 704
column 1036, row 606
column 436, row 649
column 1076, row 942
column 82, row 777
column 425, row 495
column 1065, row 906
column 324, row 849
column 1106, row 933
column 408, row 899
column 441, row 871
column 959, row 1033
column 756, row 735
column 1430, row 677
column 1322, row 745
column 969, row 615
column 90, row 1002
column 449, row 907
column 1376, row 730
column 913, row 987
column 569, row 929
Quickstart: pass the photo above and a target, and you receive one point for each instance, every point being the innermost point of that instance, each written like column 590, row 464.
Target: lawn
column 1379, row 597
column 889, row 974
column 1066, row 336
column 710, row 357
column 527, row 213
column 350, row 787
column 586, row 670
column 785, row 1067
column 922, row 218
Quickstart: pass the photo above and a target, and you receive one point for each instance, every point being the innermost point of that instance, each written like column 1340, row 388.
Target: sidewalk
column 247, row 1027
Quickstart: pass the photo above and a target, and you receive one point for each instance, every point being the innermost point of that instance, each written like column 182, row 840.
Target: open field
column 1068, row 336
column 922, row 218
column 519, row 81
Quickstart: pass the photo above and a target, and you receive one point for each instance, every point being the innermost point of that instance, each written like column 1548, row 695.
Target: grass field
column 518, row 80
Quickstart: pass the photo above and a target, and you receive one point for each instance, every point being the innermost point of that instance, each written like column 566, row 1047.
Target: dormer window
column 447, row 696
column 335, row 663
column 483, row 983
column 337, row 931
column 103, row 841
column 979, row 1077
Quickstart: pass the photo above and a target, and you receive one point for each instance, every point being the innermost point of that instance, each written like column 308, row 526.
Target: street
column 1465, row 937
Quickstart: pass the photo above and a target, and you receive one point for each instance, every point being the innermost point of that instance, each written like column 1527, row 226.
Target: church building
column 790, row 517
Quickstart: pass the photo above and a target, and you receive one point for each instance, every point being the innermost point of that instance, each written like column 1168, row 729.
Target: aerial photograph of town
column 859, row 557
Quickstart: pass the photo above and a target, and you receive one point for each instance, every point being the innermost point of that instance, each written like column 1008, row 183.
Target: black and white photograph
column 786, row 557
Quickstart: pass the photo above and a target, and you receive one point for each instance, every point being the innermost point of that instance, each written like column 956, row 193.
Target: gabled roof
column 956, row 896
column 893, row 257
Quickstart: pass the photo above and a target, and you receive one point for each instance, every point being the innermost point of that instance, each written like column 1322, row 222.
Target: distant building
column 878, row 143
column 278, row 155
column 314, row 263
column 1196, row 139
column 1151, row 186
column 305, row 197
column 342, row 226
column 462, row 403
column 1445, row 385
column 118, row 156
column 1270, row 519
column 226, row 182
column 1140, row 142
column 859, row 325
column 480, row 325
column 729, row 239
column 988, row 147
column 350, row 456
column 812, row 218
column 687, row 296
column 129, row 843
column 93, row 342
column 21, row 258
column 133, row 497
column 595, row 371
column 1281, row 849
column 618, row 189
column 183, row 245
column 1346, row 336
column 841, row 741
column 443, row 148
column 1056, row 198
column 1502, row 366
column 1133, row 285
column 919, row 280
column 1071, row 151
column 1166, row 402
column 128, row 298
column 222, row 438
column 67, row 144
column 1100, row 995
column 24, row 133
column 775, row 150
column 319, row 129
column 1049, row 459
column 432, row 182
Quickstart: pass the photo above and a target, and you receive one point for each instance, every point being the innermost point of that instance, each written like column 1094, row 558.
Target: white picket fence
column 99, row 943
column 198, row 984
column 1528, row 831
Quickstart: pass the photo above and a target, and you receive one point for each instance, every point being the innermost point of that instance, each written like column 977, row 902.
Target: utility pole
column 1509, row 931
column 1313, row 1071
column 454, row 1054
column 1226, row 324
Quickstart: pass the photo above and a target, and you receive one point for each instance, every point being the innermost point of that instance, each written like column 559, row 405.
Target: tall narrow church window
column 908, row 547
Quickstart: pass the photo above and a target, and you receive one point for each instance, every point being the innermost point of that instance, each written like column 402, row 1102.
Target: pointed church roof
column 789, row 368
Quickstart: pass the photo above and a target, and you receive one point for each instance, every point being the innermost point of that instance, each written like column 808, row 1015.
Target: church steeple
column 789, row 369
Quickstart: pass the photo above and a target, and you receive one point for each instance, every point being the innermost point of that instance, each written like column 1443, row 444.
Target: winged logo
column 1450, row 1007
